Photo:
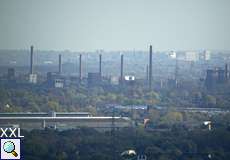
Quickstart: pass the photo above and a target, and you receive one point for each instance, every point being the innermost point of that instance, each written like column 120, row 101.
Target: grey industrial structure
column 216, row 76
column 58, row 79
column 60, row 120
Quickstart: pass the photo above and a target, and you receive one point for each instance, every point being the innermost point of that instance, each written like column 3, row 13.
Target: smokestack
column 122, row 67
column 100, row 57
column 176, row 70
column 31, row 59
column 60, row 65
column 150, row 67
column 80, row 68
column 147, row 72
column 226, row 71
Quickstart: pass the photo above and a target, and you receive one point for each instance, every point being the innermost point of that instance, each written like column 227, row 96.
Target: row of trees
column 36, row 99
column 89, row 144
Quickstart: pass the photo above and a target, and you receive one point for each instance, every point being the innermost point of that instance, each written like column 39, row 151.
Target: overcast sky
column 87, row 25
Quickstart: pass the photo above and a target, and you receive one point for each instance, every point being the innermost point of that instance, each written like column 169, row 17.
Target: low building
column 55, row 80
column 33, row 78
column 129, row 80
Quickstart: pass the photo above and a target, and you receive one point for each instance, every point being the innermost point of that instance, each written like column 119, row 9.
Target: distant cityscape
column 59, row 69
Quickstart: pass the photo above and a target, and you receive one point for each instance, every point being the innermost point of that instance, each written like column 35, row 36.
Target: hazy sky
column 87, row 25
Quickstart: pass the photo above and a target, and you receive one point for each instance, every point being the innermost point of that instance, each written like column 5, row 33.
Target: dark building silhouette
column 221, row 76
column 214, row 77
column 55, row 80
column 11, row 74
column 210, row 79
column 94, row 79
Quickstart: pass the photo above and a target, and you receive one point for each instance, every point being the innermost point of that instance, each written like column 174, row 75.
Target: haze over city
column 84, row 25
column 115, row 79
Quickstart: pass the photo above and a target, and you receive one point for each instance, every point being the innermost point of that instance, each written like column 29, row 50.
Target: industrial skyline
column 115, row 79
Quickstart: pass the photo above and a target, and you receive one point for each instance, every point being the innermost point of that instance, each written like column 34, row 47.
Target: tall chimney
column 122, row 68
column 226, row 71
column 80, row 68
column 60, row 65
column 176, row 70
column 150, row 67
column 31, row 59
column 147, row 72
column 100, row 57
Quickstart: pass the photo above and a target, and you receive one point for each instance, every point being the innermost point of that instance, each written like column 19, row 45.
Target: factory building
column 94, row 79
column 129, row 80
column 55, row 80
column 216, row 76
